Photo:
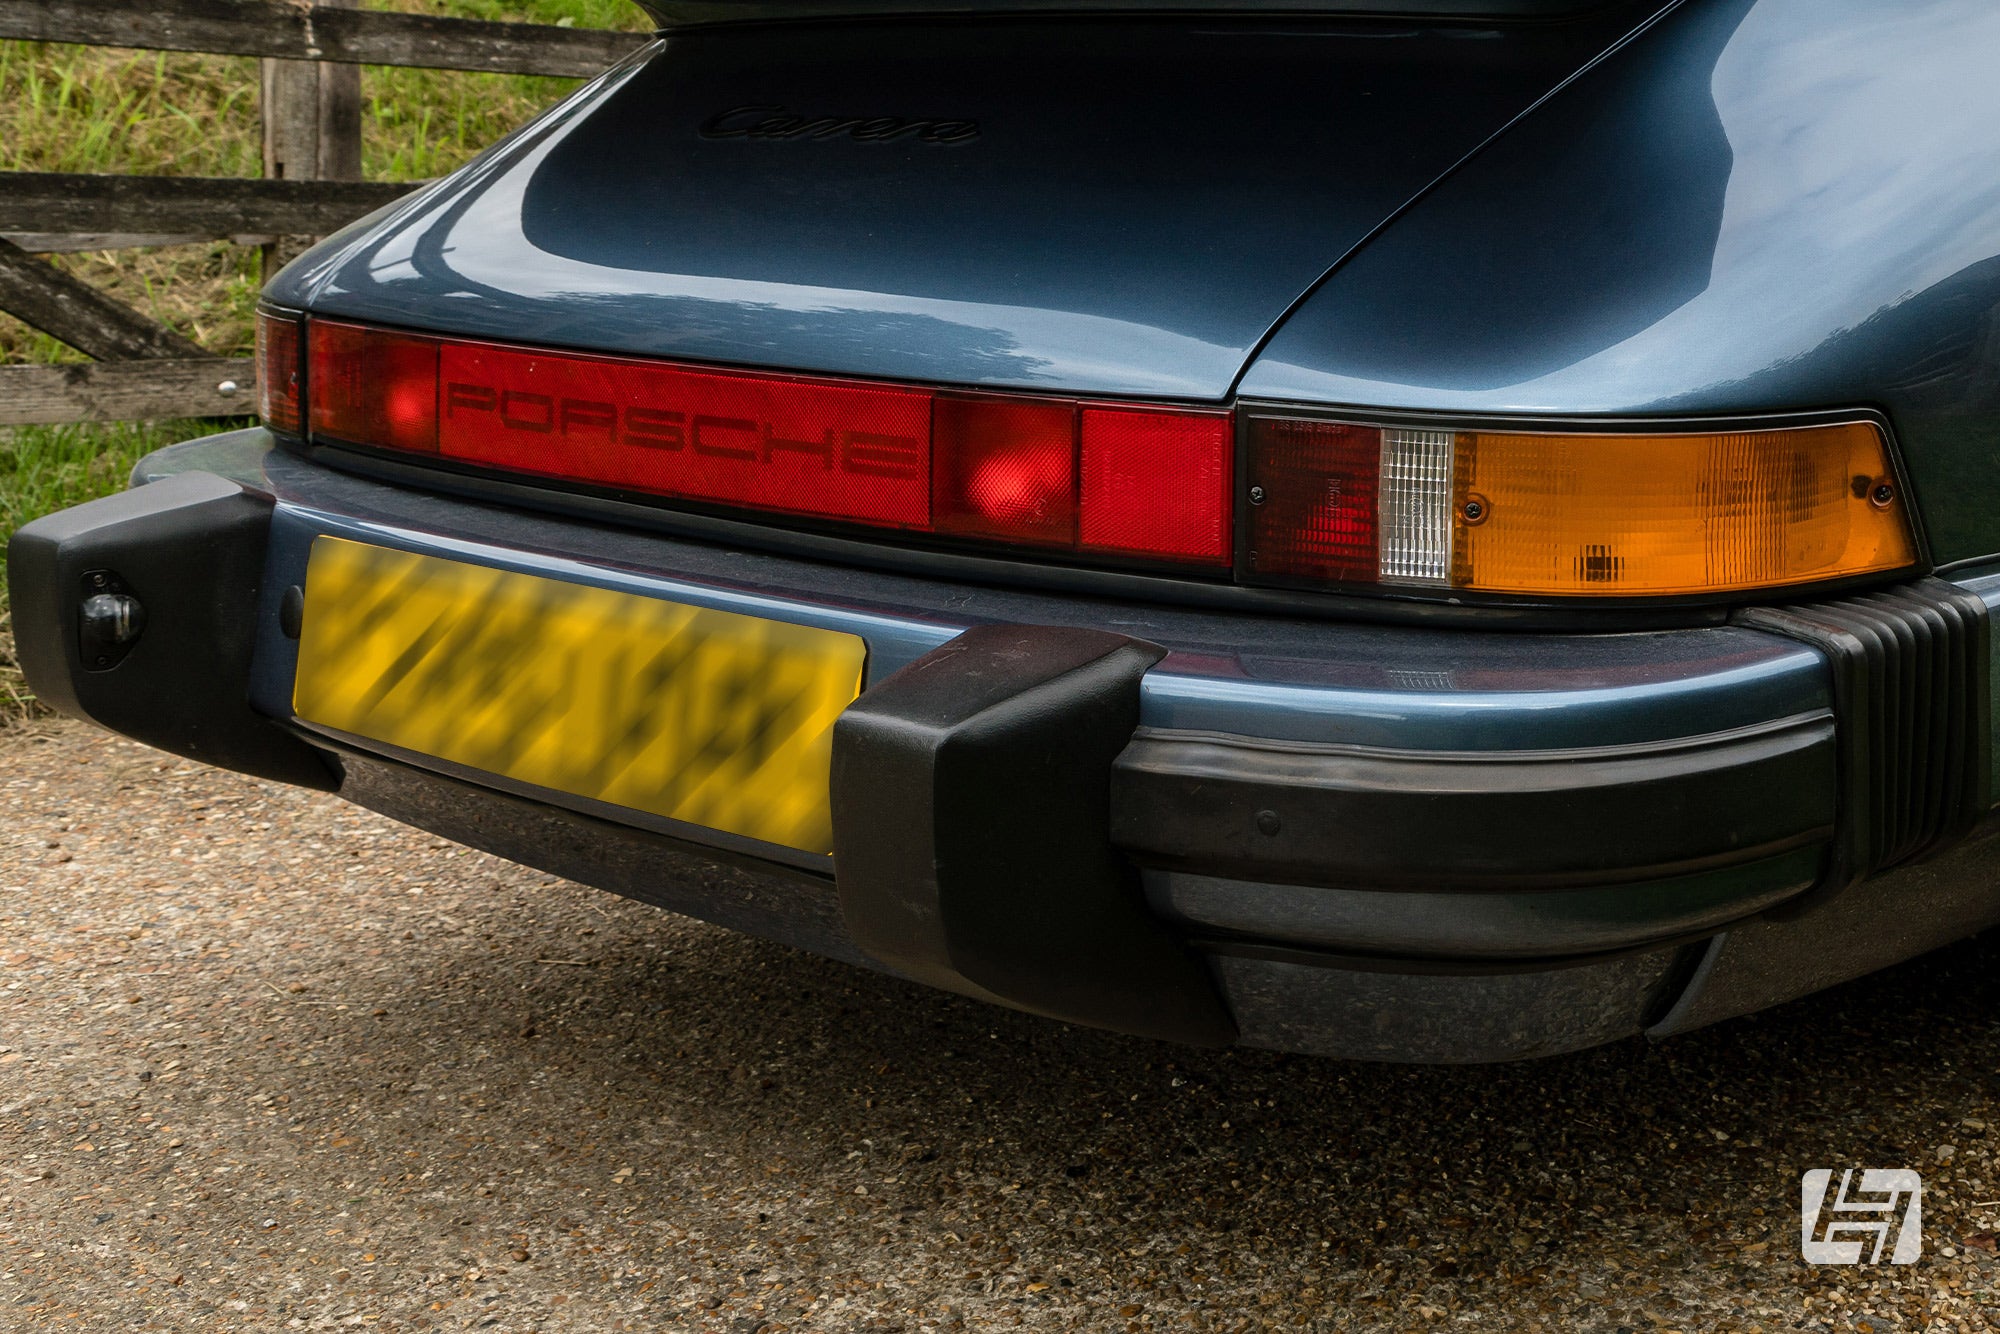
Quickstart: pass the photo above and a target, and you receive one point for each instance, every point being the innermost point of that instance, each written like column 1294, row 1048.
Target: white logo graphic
column 1855, row 1224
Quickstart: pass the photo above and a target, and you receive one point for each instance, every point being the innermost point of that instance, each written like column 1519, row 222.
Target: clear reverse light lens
column 1416, row 506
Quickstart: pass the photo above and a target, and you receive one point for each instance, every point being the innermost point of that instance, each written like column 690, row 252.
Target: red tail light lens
column 1151, row 480
column 1313, row 491
column 1053, row 473
column 373, row 387
column 1006, row 468
column 279, row 346
column 833, row 451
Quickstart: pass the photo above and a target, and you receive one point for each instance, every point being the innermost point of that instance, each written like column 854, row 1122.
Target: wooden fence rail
column 281, row 31
column 311, row 108
column 115, row 391
column 197, row 207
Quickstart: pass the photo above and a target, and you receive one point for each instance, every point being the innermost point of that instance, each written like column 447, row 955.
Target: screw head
column 1883, row 496
column 1256, row 495
column 1473, row 510
column 228, row 388
column 1268, row 823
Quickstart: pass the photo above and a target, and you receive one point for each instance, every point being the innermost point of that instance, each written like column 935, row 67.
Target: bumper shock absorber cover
column 1911, row 685
column 971, row 810
column 139, row 613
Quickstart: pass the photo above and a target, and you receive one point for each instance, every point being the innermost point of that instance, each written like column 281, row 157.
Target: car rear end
column 831, row 447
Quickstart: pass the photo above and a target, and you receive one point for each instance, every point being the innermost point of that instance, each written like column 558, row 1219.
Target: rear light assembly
column 1330, row 504
column 1054, row 474
column 1545, row 514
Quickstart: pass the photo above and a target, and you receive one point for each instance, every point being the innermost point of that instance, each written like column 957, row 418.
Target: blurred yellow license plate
column 699, row 715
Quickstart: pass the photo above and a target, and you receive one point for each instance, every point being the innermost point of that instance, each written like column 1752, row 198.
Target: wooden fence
column 311, row 108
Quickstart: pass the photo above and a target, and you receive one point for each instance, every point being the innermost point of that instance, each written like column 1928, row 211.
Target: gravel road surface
column 271, row 1062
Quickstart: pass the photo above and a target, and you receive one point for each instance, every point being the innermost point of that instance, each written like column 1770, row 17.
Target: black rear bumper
column 1006, row 828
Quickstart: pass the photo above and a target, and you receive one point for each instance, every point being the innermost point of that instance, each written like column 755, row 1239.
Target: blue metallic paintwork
column 1758, row 206
column 1545, row 698
column 1144, row 200
column 1305, row 680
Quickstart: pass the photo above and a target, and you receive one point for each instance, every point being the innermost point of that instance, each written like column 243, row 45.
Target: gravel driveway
column 268, row 1061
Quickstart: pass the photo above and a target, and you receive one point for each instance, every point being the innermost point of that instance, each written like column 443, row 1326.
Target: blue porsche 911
column 1437, row 530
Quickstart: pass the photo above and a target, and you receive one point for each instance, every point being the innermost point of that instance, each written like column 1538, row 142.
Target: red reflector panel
column 1010, row 469
column 278, row 348
column 1006, row 468
column 371, row 387
column 1319, row 482
column 1157, row 483
column 810, row 447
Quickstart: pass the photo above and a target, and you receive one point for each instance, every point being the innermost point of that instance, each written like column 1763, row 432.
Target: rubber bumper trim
column 190, row 549
column 1356, row 817
column 970, row 799
column 1911, row 676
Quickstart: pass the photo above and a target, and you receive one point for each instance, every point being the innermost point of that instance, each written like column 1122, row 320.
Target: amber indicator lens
column 279, row 349
column 1673, row 514
column 1547, row 514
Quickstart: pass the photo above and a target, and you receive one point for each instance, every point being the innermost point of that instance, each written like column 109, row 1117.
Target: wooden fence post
column 312, row 128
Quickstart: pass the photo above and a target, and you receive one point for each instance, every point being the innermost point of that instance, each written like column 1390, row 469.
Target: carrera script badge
column 777, row 122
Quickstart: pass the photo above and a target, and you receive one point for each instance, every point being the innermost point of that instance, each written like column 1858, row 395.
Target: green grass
column 88, row 109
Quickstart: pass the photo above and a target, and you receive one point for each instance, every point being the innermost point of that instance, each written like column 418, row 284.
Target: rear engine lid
column 1095, row 205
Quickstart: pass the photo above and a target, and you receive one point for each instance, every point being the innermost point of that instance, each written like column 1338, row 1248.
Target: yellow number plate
column 698, row 715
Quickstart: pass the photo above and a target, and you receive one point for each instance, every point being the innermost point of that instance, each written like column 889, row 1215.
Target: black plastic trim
column 190, row 549
column 715, row 844
column 1496, row 925
column 969, row 814
column 1911, row 685
column 1431, row 966
column 1358, row 817
column 758, row 898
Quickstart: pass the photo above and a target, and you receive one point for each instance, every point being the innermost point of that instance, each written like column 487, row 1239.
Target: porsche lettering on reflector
column 695, row 714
